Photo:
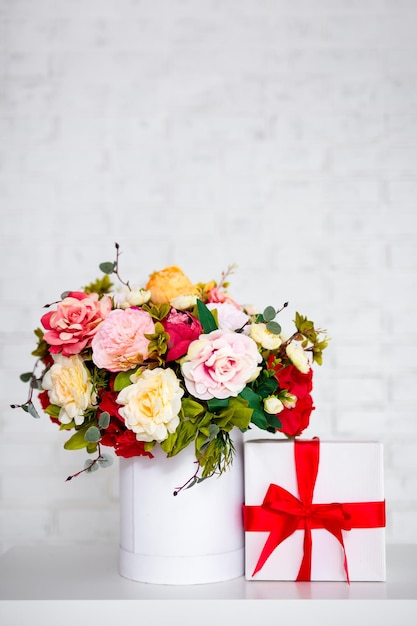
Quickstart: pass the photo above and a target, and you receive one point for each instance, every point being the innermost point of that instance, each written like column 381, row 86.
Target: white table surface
column 60, row 584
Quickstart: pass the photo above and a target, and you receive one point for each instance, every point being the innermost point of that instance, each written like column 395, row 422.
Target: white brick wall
column 277, row 134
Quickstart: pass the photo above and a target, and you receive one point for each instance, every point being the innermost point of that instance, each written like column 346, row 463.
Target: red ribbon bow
column 281, row 513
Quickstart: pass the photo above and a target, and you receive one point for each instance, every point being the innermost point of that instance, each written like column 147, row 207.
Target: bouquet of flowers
column 171, row 364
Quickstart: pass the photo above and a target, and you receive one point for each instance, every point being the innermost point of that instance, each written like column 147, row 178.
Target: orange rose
column 169, row 283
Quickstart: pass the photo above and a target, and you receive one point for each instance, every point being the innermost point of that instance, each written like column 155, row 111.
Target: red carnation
column 295, row 420
column 116, row 435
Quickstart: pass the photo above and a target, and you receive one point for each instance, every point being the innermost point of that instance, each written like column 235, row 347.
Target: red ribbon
column 281, row 513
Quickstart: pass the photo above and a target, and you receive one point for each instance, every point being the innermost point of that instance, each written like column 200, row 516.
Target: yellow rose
column 168, row 284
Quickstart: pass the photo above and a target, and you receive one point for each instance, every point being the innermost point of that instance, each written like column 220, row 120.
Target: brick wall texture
column 280, row 135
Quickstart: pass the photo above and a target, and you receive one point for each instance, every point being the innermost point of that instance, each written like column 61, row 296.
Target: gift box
column 314, row 510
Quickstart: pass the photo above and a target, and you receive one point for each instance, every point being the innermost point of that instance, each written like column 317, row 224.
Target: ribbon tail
column 336, row 532
column 304, row 572
column 276, row 537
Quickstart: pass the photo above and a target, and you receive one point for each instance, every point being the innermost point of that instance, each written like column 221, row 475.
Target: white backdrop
column 280, row 135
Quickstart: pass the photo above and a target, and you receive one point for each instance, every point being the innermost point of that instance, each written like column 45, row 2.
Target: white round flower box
column 194, row 537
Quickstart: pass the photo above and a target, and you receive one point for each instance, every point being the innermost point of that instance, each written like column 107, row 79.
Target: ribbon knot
column 281, row 513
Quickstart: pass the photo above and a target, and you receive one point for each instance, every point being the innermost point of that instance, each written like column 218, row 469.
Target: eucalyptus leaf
column 274, row 328
column 104, row 419
column 65, row 294
column 32, row 411
column 108, row 267
column 25, row 378
column 105, row 460
column 269, row 313
column 90, row 465
column 92, row 434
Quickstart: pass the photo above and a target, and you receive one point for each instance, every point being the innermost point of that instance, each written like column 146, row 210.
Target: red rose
column 295, row 420
column 182, row 328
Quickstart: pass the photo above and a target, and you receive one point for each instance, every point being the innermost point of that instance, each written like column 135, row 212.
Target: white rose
column 125, row 297
column 264, row 337
column 298, row 357
column 183, row 302
column 273, row 405
column 69, row 386
column 152, row 404
column 228, row 316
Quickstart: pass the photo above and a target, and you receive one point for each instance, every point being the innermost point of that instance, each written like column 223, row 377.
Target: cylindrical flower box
column 194, row 537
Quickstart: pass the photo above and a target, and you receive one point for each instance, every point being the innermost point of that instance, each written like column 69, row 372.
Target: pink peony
column 217, row 295
column 182, row 328
column 120, row 343
column 73, row 325
column 220, row 364
column 228, row 316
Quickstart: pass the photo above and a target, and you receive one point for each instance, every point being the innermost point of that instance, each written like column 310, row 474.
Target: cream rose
column 264, row 337
column 298, row 357
column 125, row 297
column 69, row 386
column 183, row 302
column 273, row 405
column 152, row 404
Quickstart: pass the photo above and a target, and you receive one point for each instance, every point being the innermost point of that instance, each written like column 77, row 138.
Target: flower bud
column 273, row 405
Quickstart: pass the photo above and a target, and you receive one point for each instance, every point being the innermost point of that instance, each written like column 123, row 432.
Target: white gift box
column 348, row 472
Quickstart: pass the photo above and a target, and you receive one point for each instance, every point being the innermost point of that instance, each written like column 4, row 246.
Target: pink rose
column 120, row 343
column 220, row 364
column 182, row 329
column 73, row 325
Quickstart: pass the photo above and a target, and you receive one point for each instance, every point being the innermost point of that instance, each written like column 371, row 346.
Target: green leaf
column 266, row 387
column 53, row 410
column 269, row 313
column 258, row 416
column 191, row 408
column 206, row 318
column 92, row 434
column 104, row 419
column 101, row 286
column 273, row 327
column 64, row 294
column 213, row 431
column 108, row 268
column 215, row 404
column 273, row 420
column 179, row 440
column 77, row 441
column 122, row 380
